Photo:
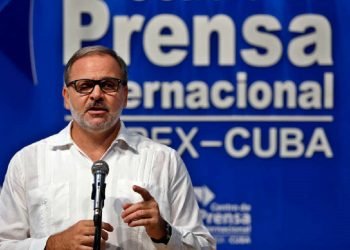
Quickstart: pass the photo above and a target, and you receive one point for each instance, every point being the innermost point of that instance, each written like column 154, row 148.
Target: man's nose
column 96, row 92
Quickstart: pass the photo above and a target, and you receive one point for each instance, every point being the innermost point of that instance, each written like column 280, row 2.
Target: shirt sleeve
column 188, row 230
column 14, row 222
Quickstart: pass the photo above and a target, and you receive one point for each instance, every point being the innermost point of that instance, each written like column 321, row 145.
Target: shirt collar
column 64, row 138
column 124, row 136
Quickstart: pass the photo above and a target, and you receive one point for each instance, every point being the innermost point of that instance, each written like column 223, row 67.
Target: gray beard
column 111, row 121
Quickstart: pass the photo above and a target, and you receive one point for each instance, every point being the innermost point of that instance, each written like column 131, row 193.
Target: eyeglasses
column 107, row 85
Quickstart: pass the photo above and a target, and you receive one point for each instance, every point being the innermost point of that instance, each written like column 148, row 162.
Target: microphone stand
column 98, row 213
column 97, row 238
column 99, row 169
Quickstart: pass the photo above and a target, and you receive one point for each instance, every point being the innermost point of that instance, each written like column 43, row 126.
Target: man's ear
column 126, row 91
column 65, row 95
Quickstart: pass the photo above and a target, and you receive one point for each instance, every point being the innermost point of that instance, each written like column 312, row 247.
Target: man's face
column 98, row 111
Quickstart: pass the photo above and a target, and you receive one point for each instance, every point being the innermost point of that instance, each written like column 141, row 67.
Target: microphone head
column 100, row 167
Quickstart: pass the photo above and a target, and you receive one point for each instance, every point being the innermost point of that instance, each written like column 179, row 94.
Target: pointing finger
column 143, row 192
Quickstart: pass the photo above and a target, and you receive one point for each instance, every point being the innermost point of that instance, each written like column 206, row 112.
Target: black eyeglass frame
column 101, row 83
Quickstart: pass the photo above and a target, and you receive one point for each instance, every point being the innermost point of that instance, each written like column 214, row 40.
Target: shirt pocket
column 48, row 207
column 120, row 193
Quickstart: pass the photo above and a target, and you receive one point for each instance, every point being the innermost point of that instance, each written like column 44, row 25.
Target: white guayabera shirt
column 48, row 188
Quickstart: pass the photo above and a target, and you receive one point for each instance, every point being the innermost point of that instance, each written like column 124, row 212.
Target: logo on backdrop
column 204, row 195
column 260, row 114
column 229, row 223
column 239, row 100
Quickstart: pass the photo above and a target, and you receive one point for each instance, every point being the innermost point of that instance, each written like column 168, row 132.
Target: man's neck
column 94, row 143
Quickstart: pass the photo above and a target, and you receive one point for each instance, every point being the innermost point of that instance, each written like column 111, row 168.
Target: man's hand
column 145, row 213
column 79, row 236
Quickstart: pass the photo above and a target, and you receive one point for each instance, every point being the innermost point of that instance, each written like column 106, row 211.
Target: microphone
column 100, row 170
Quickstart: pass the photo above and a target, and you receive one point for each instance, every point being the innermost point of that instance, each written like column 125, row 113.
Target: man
column 149, row 204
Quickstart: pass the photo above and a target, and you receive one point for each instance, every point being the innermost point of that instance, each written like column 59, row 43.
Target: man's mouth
column 97, row 110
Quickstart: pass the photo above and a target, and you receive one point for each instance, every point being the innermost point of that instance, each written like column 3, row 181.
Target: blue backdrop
column 252, row 93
